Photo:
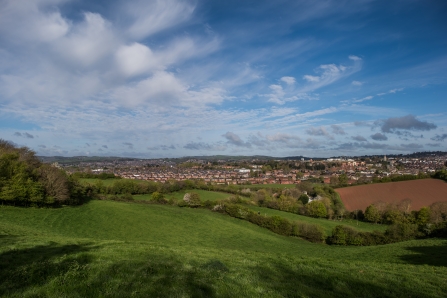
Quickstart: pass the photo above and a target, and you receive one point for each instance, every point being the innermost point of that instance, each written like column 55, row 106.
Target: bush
column 208, row 204
column 316, row 209
column 258, row 219
column 310, row 232
column 343, row 235
column 401, row 232
column 304, row 199
column 280, row 225
column 237, row 211
column 159, row 198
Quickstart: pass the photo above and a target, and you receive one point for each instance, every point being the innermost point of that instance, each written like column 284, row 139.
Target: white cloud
column 277, row 94
column 161, row 87
column 392, row 91
column 329, row 73
column 88, row 41
column 364, row 98
column 158, row 15
column 355, row 58
column 26, row 21
column 356, row 83
column 317, row 113
column 310, row 78
column 288, row 80
column 136, row 59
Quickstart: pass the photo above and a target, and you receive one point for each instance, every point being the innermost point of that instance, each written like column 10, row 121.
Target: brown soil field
column 422, row 193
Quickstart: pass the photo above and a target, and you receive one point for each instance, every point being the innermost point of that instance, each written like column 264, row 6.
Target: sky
column 173, row 78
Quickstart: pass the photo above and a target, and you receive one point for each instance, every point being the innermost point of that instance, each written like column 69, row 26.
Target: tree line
column 25, row 181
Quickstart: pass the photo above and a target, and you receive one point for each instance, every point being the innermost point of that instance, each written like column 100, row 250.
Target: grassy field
column 204, row 195
column 105, row 182
column 267, row 186
column 113, row 249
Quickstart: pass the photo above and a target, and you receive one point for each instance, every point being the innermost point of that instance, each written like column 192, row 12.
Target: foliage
column 372, row 214
column 90, row 175
column 25, row 181
column 192, row 199
column 401, row 232
column 277, row 224
column 304, row 199
column 316, row 209
column 442, row 174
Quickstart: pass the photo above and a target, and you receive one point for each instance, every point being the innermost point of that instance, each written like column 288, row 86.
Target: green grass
column 204, row 195
column 105, row 182
column 113, row 249
column 326, row 224
column 266, row 186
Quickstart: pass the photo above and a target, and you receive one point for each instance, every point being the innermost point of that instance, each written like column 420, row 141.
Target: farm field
column 423, row 192
column 115, row 249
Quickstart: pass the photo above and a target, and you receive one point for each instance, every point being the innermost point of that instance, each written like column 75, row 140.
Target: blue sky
column 173, row 78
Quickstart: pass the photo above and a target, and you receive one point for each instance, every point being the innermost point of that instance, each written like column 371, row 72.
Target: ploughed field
column 422, row 193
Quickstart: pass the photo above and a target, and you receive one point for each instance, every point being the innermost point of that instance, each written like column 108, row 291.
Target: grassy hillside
column 113, row 249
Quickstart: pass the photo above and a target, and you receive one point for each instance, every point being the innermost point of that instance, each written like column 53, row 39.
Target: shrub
column 401, row 232
column 316, row 209
column 258, row 219
column 343, row 235
column 310, row 232
column 304, row 199
column 280, row 225
column 237, row 211
column 208, row 204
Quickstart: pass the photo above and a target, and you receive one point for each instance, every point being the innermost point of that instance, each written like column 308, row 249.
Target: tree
column 304, row 199
column 55, row 183
column 334, row 181
column 316, row 209
column 372, row 214
column 423, row 216
column 438, row 212
column 192, row 199
column 343, row 180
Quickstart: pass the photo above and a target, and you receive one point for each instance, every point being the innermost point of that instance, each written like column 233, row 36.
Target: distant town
column 256, row 170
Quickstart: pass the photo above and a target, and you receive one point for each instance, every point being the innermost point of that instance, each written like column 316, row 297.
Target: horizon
column 248, row 156
column 181, row 78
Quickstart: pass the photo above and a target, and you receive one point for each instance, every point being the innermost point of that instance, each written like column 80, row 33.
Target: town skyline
column 174, row 78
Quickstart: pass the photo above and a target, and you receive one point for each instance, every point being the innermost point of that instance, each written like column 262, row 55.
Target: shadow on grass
column 88, row 271
column 6, row 240
column 293, row 281
column 434, row 255
column 75, row 270
column 159, row 276
column 30, row 267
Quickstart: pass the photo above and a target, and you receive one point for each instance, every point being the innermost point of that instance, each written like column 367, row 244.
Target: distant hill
column 77, row 159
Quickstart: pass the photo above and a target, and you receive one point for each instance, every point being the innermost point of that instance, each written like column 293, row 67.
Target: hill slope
column 113, row 249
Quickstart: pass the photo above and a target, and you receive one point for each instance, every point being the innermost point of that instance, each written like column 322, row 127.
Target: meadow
column 178, row 195
column 115, row 249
